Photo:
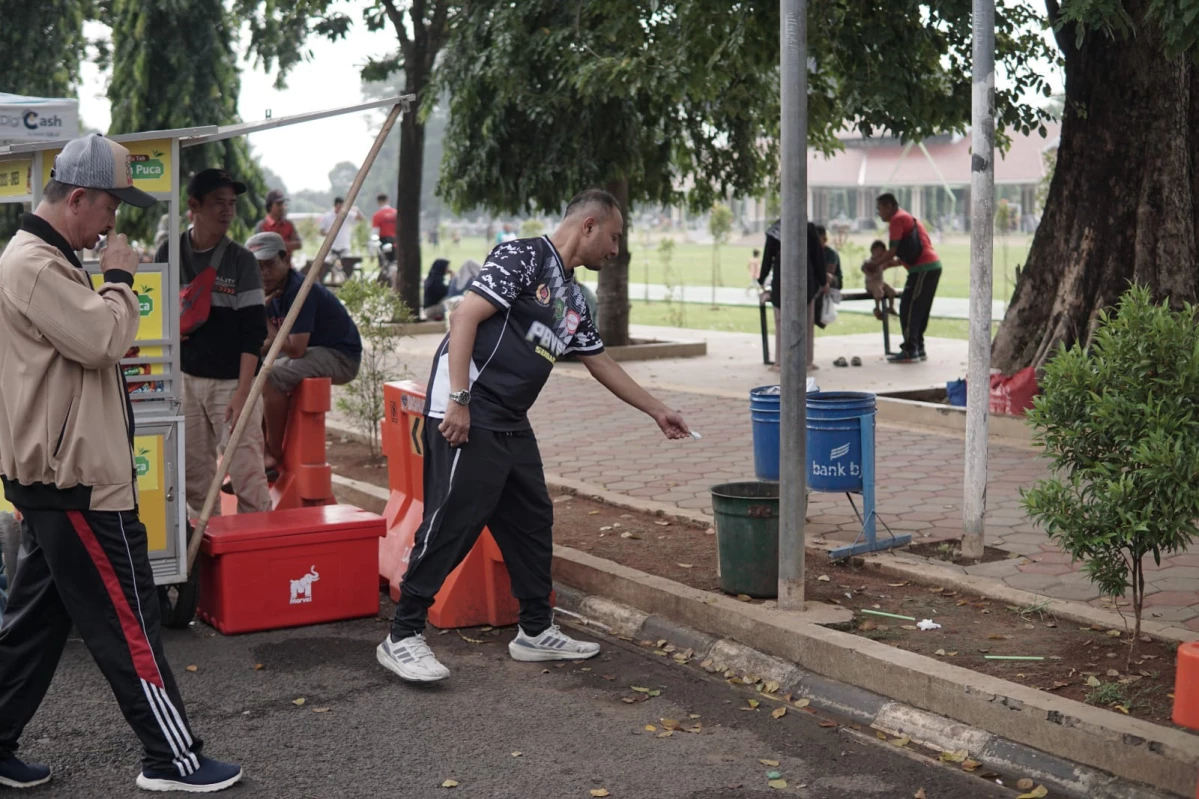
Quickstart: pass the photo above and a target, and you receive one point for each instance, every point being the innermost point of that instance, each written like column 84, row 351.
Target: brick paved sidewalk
column 587, row 434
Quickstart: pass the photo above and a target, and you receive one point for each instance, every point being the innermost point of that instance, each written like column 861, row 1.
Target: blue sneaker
column 15, row 774
column 210, row 777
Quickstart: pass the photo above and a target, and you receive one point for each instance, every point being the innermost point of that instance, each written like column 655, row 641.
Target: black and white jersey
column 542, row 315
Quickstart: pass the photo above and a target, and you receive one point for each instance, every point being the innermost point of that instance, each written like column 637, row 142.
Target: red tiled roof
column 879, row 164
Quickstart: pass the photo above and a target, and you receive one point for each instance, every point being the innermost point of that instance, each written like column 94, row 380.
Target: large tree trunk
column 1121, row 205
column 613, row 294
column 408, row 194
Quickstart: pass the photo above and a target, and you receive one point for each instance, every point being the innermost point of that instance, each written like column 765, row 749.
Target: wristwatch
column 461, row 397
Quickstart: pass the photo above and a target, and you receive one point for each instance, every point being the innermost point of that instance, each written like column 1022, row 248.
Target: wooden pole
column 214, row 490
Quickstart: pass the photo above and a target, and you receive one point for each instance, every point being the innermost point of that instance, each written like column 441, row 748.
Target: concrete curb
column 1088, row 751
column 899, row 564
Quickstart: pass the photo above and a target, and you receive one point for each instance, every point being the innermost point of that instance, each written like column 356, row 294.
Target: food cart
column 152, row 365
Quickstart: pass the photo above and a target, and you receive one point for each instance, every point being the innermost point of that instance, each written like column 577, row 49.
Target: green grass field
column 692, row 263
column 745, row 319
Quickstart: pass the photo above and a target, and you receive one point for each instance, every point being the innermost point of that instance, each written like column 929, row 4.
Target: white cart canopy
column 26, row 119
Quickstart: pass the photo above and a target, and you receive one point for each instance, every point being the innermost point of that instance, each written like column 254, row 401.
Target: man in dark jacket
column 817, row 277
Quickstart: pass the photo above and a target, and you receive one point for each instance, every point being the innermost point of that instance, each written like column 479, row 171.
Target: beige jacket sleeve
column 93, row 328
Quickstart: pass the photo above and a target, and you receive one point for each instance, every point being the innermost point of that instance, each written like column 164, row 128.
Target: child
column 875, row 284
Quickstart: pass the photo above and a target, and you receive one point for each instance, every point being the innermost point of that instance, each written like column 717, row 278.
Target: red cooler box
column 287, row 568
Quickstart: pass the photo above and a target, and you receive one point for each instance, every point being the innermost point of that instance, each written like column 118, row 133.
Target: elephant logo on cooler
column 301, row 589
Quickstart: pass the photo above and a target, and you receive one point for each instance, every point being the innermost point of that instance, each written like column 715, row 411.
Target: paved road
column 384, row 738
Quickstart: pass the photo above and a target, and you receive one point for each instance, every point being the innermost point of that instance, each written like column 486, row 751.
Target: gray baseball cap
column 94, row 162
column 266, row 245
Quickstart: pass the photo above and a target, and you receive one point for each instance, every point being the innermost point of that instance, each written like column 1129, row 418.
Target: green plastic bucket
column 747, row 537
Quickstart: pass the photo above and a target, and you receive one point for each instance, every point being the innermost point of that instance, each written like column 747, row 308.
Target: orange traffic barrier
column 1186, row 688
column 305, row 477
column 478, row 591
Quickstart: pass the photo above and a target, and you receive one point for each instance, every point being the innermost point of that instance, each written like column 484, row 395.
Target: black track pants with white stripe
column 91, row 568
column 495, row 480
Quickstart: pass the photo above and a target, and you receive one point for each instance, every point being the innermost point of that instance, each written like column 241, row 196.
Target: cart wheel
column 178, row 601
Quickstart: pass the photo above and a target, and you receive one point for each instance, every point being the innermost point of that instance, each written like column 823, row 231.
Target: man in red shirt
column 911, row 248
column 277, row 222
column 384, row 220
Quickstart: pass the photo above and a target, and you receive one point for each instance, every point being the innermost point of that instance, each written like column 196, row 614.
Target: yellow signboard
column 149, row 164
column 151, row 489
column 15, row 177
column 5, row 505
column 150, row 302
column 48, row 157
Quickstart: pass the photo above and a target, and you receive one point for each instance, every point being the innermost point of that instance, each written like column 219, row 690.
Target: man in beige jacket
column 66, row 459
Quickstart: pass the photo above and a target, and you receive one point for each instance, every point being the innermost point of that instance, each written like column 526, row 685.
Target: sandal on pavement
column 841, row 361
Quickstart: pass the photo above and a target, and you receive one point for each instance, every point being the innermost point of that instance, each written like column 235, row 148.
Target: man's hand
column 236, row 406
column 456, row 424
column 117, row 254
column 672, row 423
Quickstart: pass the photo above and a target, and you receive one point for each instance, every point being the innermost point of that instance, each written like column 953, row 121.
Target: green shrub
column 378, row 311
column 1120, row 422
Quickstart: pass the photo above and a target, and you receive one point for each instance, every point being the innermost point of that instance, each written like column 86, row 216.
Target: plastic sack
column 1012, row 396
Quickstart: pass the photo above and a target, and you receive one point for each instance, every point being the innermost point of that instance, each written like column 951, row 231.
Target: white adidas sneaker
column 411, row 659
column 553, row 644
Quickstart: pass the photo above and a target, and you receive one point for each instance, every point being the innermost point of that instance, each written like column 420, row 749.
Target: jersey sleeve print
column 510, row 269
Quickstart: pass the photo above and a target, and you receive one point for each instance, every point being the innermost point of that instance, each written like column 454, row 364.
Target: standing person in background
column 912, row 249
column 384, row 220
column 754, row 266
column 277, row 222
column 817, row 280
column 223, row 323
column 832, row 261
column 343, row 243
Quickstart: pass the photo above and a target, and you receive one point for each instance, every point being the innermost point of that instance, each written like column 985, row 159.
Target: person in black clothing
column 482, row 466
column 220, row 350
column 435, row 290
column 817, row 279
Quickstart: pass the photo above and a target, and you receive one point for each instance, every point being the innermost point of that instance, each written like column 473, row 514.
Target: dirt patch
column 951, row 552
column 1087, row 664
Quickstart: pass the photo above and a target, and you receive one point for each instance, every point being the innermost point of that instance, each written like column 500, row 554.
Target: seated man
column 323, row 342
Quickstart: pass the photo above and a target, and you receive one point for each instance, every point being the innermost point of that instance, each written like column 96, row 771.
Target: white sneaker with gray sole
column 553, row 644
column 411, row 659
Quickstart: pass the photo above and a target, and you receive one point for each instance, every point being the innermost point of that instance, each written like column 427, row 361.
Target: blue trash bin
column 764, row 412
column 834, row 442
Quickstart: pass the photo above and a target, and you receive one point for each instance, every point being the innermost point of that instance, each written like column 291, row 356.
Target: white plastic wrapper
column 928, row 624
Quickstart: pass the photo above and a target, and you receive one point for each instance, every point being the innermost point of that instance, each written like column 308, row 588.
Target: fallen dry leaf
column 1121, row 708
column 1093, row 681
column 628, row 700
column 954, row 757
column 908, row 627
column 768, row 762
column 666, row 734
column 903, row 740
column 743, row 597
column 662, row 524
column 650, row 728
column 320, row 710
column 1038, row 792
column 517, row 754
column 803, row 702
column 778, row 713
column 882, row 736
column 824, row 578
column 450, row 784
column 599, row 793
column 632, row 536
column 298, row 702
column 685, row 566
column 898, row 585
column 770, row 687
column 827, row 723
column 193, row 668
column 998, row 637
column 940, row 652
column 778, row 785
column 919, row 794
column 970, row 765
column 753, row 702
column 1024, row 785
column 1113, row 673
column 259, row 667
column 671, row 724
column 1114, row 633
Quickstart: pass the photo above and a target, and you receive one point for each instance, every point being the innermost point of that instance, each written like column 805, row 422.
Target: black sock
column 397, row 637
column 529, row 631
